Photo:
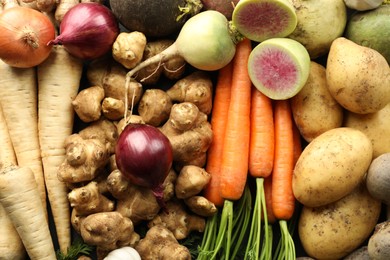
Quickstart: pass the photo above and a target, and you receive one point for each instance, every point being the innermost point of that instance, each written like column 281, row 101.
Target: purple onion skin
column 88, row 30
column 144, row 155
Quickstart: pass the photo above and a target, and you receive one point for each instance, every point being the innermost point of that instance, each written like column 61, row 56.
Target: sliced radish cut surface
column 259, row 20
column 279, row 67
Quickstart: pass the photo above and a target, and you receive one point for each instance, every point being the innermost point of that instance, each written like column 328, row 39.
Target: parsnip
column 20, row 198
column 58, row 83
column 18, row 97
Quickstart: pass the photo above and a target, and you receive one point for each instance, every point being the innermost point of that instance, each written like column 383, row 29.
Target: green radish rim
column 279, row 67
column 259, row 20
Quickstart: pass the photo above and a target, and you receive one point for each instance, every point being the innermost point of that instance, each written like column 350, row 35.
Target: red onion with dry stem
column 88, row 30
column 144, row 155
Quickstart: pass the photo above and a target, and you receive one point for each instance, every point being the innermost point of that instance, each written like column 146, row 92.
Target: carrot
column 262, row 137
column 20, row 198
column 11, row 246
column 235, row 154
column 58, row 83
column 283, row 200
column 218, row 123
column 261, row 159
column 18, row 97
column 234, row 159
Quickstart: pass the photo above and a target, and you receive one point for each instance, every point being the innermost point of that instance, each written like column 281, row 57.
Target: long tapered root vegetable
column 20, row 198
column 7, row 153
column 21, row 95
column 56, row 118
column 11, row 246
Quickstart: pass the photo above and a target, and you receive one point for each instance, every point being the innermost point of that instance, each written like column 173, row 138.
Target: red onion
column 144, row 155
column 88, row 30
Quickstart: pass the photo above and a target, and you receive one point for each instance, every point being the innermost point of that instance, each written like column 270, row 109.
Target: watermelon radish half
column 259, row 20
column 279, row 67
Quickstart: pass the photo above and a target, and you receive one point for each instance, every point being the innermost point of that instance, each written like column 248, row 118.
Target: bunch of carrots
column 255, row 138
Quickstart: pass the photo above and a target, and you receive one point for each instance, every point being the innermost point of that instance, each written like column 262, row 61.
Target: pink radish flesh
column 276, row 70
column 263, row 18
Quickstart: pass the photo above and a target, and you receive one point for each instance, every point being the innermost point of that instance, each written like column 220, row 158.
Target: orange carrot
column 261, row 159
column 261, row 149
column 235, row 154
column 218, row 124
column 283, row 201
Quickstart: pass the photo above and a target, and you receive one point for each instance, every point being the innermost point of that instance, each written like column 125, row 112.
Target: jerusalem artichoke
column 196, row 88
column 154, row 106
column 160, row 243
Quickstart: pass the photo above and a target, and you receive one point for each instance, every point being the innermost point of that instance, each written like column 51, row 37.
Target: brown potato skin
column 375, row 126
column 331, row 166
column 358, row 77
column 314, row 108
column 335, row 230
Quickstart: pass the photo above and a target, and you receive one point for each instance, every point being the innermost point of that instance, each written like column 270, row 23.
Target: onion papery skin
column 24, row 34
column 88, row 30
column 144, row 155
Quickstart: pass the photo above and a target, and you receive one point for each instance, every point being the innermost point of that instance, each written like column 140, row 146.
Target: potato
column 335, row 230
column 375, row 126
column 331, row 166
column 358, row 77
column 314, row 109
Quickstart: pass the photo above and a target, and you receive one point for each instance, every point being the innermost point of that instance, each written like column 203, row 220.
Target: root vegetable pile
column 213, row 134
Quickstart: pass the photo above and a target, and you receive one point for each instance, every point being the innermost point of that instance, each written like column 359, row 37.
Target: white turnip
column 206, row 42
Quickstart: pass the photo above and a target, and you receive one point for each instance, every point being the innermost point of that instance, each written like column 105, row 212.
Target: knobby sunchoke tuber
column 112, row 108
column 135, row 202
column 128, row 48
column 191, row 181
column 87, row 200
column 196, row 88
column 201, row 206
column 103, row 130
column 189, row 133
column 111, row 75
column 178, row 220
column 160, row 243
column 154, row 107
column 88, row 103
column 84, row 159
column 108, row 230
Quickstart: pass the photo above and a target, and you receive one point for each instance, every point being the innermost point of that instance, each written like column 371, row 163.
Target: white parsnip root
column 18, row 92
column 11, row 246
column 58, row 83
column 20, row 198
